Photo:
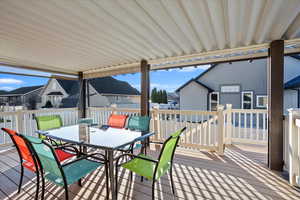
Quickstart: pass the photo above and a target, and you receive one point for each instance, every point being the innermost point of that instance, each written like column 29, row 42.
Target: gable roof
column 110, row 85
column 294, row 83
column 22, row 90
column 104, row 85
column 196, row 81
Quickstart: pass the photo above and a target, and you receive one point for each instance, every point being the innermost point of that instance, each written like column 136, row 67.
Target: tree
column 154, row 95
column 164, row 97
column 32, row 102
column 48, row 105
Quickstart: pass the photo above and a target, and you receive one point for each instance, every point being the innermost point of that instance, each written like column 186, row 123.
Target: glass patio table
column 109, row 140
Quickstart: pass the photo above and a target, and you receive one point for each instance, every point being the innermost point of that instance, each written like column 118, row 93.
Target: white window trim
column 243, row 92
column 210, row 99
column 259, row 106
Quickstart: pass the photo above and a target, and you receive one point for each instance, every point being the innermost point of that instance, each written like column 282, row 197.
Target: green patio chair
column 49, row 122
column 67, row 173
column 150, row 168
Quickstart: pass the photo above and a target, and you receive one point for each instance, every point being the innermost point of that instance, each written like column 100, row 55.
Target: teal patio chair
column 67, row 173
column 88, row 121
column 137, row 123
column 150, row 168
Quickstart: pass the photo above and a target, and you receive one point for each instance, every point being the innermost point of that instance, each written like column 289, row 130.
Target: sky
column 162, row 79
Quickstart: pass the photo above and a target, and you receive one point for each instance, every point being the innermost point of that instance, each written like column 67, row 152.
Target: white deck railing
column 293, row 147
column 203, row 131
column 246, row 125
column 24, row 122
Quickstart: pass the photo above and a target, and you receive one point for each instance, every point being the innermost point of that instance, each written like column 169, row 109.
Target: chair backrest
column 167, row 153
column 45, row 155
column 22, row 147
column 139, row 123
column 117, row 121
column 45, row 123
column 85, row 121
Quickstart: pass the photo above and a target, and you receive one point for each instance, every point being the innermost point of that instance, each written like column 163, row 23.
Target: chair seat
column 63, row 155
column 74, row 171
column 141, row 167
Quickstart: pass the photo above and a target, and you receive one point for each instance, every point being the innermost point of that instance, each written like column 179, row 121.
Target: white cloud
column 10, row 81
column 7, row 88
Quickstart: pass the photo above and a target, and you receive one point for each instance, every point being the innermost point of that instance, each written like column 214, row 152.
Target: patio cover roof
column 104, row 37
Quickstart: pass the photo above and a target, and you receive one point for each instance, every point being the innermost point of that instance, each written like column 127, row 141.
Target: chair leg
column 107, row 181
column 80, row 182
column 172, row 182
column 153, row 189
column 116, row 181
column 43, row 186
column 37, row 185
column 66, row 192
column 21, row 179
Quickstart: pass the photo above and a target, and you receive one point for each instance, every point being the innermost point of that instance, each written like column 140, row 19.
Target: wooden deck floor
column 240, row 174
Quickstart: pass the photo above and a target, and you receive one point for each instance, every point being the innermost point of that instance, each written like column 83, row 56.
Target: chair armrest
column 133, row 156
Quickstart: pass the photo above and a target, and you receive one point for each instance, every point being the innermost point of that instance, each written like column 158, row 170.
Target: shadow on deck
column 240, row 174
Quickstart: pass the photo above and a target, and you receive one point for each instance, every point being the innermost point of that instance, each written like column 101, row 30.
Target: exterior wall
column 249, row 76
column 193, row 97
column 53, row 86
column 290, row 100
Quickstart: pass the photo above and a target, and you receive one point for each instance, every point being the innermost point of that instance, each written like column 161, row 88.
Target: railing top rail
column 37, row 111
column 250, row 110
column 187, row 112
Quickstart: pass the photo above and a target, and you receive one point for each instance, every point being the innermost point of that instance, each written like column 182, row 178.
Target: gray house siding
column 191, row 100
column 249, row 76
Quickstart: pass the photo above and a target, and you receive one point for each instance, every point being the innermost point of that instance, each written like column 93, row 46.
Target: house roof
column 3, row 92
column 22, row 90
column 110, row 85
column 196, row 81
column 294, row 83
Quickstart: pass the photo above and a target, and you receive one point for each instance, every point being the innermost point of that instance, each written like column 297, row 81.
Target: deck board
column 240, row 174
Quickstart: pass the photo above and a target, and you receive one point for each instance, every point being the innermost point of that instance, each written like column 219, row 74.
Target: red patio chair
column 27, row 159
column 117, row 121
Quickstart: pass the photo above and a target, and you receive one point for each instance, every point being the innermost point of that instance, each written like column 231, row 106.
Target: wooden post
column 220, row 129
column 82, row 96
column 275, row 104
column 229, row 123
column 292, row 149
column 20, row 122
column 145, row 88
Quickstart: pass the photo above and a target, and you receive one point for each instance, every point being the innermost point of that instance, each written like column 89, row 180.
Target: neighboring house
column 242, row 84
column 102, row 92
column 28, row 97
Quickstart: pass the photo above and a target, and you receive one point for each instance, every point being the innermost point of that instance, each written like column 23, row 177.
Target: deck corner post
column 229, row 123
column 292, row 148
column 82, row 96
column 275, row 104
column 220, row 128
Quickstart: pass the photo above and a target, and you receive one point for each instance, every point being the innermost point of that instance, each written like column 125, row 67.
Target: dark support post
column 145, row 88
column 275, row 104
column 145, row 94
column 82, row 96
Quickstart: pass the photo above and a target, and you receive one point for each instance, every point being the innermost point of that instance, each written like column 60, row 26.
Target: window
column 214, row 101
column 261, row 101
column 247, row 100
